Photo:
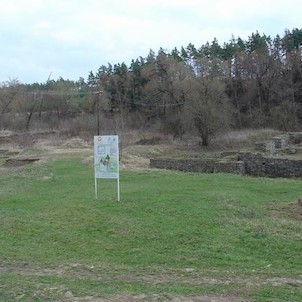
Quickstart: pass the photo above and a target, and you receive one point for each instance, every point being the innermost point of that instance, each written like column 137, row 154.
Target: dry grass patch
column 241, row 139
column 291, row 210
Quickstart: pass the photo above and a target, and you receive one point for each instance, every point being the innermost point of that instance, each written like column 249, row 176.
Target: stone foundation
column 237, row 167
column 187, row 165
column 248, row 163
column 202, row 166
column 256, row 164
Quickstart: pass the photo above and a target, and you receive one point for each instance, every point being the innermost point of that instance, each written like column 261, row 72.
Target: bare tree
column 8, row 93
column 207, row 107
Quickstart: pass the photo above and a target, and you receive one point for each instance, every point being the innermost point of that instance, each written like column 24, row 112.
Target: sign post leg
column 118, row 189
column 96, row 188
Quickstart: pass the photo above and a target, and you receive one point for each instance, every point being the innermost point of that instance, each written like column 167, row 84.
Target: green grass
column 172, row 234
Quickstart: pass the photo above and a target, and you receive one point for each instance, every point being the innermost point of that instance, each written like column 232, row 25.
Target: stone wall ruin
column 268, row 161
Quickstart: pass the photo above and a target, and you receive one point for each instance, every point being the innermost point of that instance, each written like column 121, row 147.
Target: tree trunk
column 29, row 116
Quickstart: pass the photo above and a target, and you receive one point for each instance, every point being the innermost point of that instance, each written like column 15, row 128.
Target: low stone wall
column 247, row 163
column 187, row 165
column 267, row 163
column 295, row 137
column 202, row 166
column 237, row 167
column 258, row 165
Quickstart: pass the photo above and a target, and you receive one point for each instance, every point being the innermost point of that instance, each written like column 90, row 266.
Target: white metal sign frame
column 106, row 160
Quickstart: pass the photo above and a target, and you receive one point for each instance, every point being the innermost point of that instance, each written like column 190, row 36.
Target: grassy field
column 173, row 236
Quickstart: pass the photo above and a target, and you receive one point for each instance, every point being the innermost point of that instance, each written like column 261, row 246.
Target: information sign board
column 106, row 158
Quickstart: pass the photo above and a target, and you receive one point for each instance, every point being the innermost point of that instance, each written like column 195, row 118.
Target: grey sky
column 69, row 38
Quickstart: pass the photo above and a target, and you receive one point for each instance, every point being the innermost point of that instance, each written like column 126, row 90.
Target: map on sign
column 106, row 156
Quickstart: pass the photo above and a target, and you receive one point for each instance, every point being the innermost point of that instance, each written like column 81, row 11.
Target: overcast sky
column 68, row 38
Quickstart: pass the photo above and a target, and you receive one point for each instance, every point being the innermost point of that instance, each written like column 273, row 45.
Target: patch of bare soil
column 17, row 162
column 75, row 142
column 292, row 210
column 159, row 276
column 156, row 298
column 151, row 141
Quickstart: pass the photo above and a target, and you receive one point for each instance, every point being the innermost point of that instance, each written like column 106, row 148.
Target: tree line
column 255, row 82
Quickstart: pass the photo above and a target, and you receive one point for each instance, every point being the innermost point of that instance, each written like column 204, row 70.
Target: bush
column 284, row 116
